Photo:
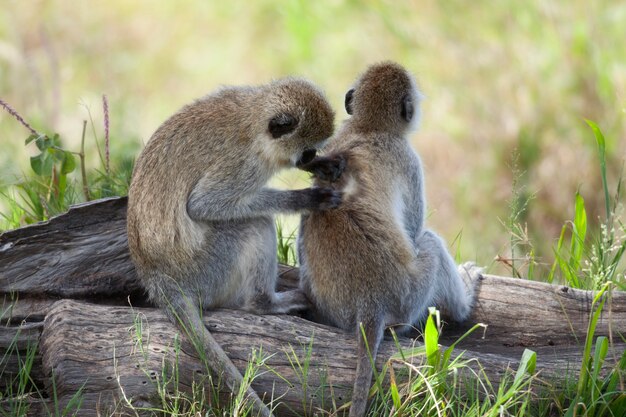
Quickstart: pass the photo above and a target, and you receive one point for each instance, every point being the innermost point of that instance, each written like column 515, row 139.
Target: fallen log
column 83, row 255
column 125, row 355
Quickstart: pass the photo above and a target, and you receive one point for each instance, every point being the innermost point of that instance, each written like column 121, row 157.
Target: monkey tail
column 185, row 314
column 373, row 326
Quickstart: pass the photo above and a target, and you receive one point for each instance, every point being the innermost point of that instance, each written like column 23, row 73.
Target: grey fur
column 371, row 261
column 201, row 231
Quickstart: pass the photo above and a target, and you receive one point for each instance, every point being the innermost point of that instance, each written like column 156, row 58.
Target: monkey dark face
column 282, row 124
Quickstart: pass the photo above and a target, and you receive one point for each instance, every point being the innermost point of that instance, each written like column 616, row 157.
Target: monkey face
column 301, row 122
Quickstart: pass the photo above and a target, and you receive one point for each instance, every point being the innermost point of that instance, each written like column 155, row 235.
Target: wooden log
column 81, row 253
column 527, row 313
column 103, row 354
column 119, row 352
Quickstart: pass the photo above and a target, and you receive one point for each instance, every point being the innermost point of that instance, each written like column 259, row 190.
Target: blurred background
column 508, row 87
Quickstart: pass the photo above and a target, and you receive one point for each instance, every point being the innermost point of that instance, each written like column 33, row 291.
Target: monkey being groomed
column 371, row 261
column 201, row 230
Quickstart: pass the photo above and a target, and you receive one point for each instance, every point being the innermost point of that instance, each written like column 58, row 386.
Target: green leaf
column 580, row 219
column 557, row 255
column 526, row 366
column 585, row 369
column 431, row 342
column 42, row 164
column 43, row 142
column 601, row 350
column 56, row 140
column 32, row 138
column 395, row 395
column 61, row 188
column 57, row 154
column 69, row 163
column 578, row 234
column 602, row 154
column 598, row 134
column 611, row 381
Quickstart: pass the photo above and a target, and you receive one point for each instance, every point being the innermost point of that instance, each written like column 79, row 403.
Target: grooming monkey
column 371, row 261
column 201, row 230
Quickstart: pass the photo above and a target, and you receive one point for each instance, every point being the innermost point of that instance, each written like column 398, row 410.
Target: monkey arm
column 415, row 205
column 227, row 204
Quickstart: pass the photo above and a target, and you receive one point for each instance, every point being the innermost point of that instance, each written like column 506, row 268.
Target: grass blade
column 602, row 155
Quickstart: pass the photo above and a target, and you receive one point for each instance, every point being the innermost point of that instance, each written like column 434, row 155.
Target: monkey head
column 384, row 98
column 299, row 120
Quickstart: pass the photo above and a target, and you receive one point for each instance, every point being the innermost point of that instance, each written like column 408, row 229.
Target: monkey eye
column 348, row 102
column 282, row 124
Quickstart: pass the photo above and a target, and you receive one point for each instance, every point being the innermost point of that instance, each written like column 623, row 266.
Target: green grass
column 22, row 393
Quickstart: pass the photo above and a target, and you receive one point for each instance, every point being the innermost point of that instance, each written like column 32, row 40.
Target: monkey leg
column 263, row 273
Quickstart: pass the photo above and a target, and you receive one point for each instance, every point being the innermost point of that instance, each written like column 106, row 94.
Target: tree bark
column 67, row 285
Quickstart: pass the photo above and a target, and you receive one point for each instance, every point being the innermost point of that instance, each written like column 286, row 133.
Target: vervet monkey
column 201, row 230
column 370, row 262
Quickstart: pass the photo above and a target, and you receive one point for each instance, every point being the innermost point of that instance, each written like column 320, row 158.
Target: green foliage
column 596, row 396
column 591, row 263
column 436, row 384
column 518, row 210
column 602, row 156
column 21, row 389
column 52, row 188
column 20, row 384
column 570, row 262
column 285, row 249
column 46, row 193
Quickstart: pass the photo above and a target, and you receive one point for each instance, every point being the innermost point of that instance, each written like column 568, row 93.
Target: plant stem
column 83, row 172
column 105, row 108
column 17, row 116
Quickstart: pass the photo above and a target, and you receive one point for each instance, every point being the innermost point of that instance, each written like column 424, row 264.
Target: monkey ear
column 348, row 102
column 282, row 124
column 407, row 108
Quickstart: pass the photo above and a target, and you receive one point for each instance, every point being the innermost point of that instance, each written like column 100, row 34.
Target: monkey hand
column 324, row 198
column 325, row 168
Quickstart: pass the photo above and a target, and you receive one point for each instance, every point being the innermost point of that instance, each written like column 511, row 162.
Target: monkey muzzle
column 307, row 156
